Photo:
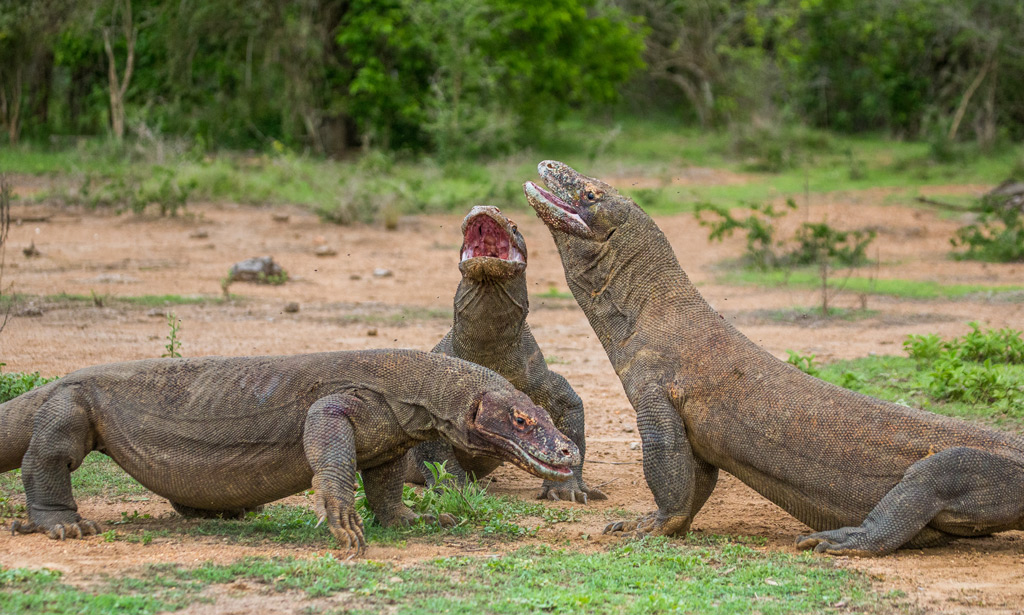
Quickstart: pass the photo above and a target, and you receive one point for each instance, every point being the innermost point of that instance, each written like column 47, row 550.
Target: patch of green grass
column 649, row 576
column 906, row 381
column 803, row 314
column 640, row 577
column 553, row 293
column 378, row 185
column 910, row 289
column 42, row 592
column 137, row 300
column 392, row 315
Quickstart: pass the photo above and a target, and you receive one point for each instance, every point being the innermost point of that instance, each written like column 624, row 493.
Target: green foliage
column 14, row 384
column 131, row 192
column 814, row 242
column 463, row 77
column 470, row 505
column 997, row 237
column 173, row 345
column 804, row 363
column 969, row 369
column 772, row 148
column 759, row 227
column 819, row 240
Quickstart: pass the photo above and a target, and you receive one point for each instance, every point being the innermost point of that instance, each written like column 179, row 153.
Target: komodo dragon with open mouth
column 490, row 329
column 226, row 434
column 871, row 476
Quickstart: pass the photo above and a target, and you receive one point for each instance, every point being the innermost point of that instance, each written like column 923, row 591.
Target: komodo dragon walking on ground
column 226, row 434
column 872, row 476
column 490, row 329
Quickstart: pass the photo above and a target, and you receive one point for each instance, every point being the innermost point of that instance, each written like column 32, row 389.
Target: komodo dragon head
column 580, row 210
column 508, row 426
column 491, row 245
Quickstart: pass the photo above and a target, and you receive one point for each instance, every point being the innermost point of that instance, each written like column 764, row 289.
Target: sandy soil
column 344, row 305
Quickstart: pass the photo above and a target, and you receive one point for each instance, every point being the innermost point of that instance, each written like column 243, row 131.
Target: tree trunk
column 119, row 85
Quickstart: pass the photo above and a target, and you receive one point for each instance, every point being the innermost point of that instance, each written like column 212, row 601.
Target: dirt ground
column 347, row 302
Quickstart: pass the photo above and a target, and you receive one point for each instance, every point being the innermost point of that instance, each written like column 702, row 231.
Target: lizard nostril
column 566, row 453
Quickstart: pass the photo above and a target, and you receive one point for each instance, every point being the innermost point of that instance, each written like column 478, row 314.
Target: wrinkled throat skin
column 871, row 475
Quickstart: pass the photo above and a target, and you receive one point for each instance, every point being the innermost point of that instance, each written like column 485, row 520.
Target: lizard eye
column 520, row 420
column 591, row 196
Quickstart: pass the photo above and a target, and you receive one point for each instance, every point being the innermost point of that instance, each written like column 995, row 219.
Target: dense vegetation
column 464, row 77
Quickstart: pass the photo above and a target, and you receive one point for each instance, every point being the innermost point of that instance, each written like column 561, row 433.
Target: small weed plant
column 804, row 363
column 173, row 345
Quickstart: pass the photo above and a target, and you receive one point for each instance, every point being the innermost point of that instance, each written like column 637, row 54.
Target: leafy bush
column 759, row 228
column 773, row 148
column 965, row 369
column 14, row 384
column 997, row 237
column 815, row 242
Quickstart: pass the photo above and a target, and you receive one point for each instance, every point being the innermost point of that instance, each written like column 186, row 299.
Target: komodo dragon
column 490, row 329
column 871, row 476
column 225, row 434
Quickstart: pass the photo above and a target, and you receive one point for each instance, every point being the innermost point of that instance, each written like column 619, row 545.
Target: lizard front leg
column 60, row 441
column 330, row 446
column 383, row 486
column 566, row 410
column 669, row 468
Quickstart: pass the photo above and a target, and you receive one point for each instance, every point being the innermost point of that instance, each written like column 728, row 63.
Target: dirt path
column 344, row 305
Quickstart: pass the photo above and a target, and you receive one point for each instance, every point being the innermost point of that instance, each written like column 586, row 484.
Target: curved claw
column 23, row 527
column 655, row 524
column 348, row 528
column 555, row 494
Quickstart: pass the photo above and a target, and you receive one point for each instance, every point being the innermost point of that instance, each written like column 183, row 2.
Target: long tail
column 16, row 418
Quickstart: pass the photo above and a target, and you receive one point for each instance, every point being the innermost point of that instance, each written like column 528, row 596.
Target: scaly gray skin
column 490, row 329
column 871, row 475
column 227, row 434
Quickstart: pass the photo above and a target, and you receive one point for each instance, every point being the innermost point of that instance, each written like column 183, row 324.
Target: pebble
column 291, row 307
column 382, row 273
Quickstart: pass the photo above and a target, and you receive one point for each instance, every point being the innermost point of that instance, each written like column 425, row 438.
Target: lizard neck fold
column 489, row 318
column 637, row 298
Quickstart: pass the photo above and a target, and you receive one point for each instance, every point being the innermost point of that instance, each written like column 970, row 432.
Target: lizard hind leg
column 61, row 438
column 960, row 491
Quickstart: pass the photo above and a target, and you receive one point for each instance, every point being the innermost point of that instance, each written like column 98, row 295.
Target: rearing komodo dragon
column 226, row 434
column 490, row 329
column 872, row 476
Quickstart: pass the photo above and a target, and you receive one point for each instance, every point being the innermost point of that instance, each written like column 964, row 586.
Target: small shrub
column 998, row 236
column 926, row 347
column 14, row 384
column 817, row 240
column 815, row 243
column 759, row 228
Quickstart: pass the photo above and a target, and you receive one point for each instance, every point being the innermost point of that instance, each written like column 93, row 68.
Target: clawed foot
column 79, row 528
column 653, row 524
column 569, row 492
column 344, row 523
column 844, row 541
